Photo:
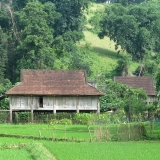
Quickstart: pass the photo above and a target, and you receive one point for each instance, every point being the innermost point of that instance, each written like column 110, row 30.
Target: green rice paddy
column 62, row 150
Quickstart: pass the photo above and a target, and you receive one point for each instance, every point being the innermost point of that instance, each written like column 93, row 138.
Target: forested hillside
column 103, row 39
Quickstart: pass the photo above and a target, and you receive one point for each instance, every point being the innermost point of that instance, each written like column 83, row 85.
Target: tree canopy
column 134, row 28
column 35, row 50
column 119, row 96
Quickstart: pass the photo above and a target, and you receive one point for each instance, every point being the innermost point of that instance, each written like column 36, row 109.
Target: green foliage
column 100, row 1
column 22, row 117
column 122, row 68
column 115, row 93
column 80, row 60
column 3, row 52
column 84, row 118
column 4, row 104
column 4, row 20
column 95, row 20
column 18, row 4
column 131, row 29
column 35, row 51
column 63, row 121
column 128, row 2
column 72, row 18
column 121, row 96
column 158, row 82
column 5, row 85
column 4, row 117
column 103, row 118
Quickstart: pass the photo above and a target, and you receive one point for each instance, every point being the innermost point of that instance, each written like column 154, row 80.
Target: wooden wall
column 54, row 103
column 151, row 99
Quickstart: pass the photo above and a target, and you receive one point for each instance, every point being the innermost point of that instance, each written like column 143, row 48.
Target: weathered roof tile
column 53, row 82
column 146, row 83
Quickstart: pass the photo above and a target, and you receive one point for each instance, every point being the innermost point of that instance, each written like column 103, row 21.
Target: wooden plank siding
column 54, row 103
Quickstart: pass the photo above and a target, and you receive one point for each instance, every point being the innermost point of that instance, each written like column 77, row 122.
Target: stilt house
column 54, row 90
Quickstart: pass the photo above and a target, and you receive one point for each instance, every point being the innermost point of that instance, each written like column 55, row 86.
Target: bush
column 21, row 117
column 4, row 117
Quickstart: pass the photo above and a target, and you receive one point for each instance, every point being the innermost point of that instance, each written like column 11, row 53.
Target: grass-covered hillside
column 103, row 55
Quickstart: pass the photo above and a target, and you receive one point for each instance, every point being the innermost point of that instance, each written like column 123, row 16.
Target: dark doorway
column 41, row 102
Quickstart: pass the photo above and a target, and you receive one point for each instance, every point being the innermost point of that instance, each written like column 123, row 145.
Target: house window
column 41, row 102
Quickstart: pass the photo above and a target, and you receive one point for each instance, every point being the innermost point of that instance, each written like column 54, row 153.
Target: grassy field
column 62, row 150
column 89, row 151
column 77, row 132
column 14, row 154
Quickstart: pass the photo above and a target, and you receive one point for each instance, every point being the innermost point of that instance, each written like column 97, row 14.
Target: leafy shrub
column 21, row 117
column 4, row 104
column 64, row 121
column 84, row 118
column 4, row 116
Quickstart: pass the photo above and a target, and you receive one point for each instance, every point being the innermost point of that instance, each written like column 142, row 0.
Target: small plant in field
column 53, row 122
column 86, row 119
column 65, row 121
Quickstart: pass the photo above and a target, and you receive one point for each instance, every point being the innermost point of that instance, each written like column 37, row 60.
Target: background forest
column 120, row 37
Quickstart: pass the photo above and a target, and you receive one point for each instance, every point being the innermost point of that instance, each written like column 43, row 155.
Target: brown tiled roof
column 146, row 83
column 53, row 82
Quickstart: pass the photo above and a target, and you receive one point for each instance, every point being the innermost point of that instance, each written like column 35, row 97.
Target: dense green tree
column 119, row 96
column 127, row 2
column 72, row 18
column 135, row 28
column 3, row 54
column 5, row 84
column 122, row 68
column 79, row 60
column 100, row 1
column 158, row 82
column 35, row 51
column 4, row 19
column 41, row 31
column 147, row 67
column 19, row 4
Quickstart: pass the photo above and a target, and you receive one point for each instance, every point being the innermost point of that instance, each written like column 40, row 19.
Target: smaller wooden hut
column 146, row 83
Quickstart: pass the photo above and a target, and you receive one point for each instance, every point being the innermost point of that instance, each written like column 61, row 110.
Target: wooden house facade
column 146, row 83
column 53, row 90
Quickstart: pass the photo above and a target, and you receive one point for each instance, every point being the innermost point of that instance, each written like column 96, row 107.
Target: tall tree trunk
column 11, row 11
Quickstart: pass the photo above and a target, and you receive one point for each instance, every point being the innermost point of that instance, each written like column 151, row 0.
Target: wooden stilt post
column 54, row 106
column 11, row 115
column 32, row 119
column 10, row 106
column 77, row 107
column 98, row 107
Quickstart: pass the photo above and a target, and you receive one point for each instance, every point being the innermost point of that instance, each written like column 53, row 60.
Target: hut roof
column 53, row 82
column 146, row 83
